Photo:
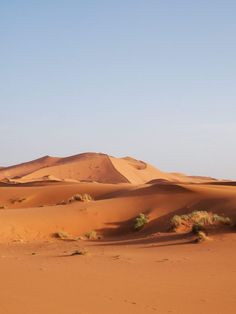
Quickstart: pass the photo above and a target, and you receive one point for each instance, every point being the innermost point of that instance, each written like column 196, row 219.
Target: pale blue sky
column 151, row 79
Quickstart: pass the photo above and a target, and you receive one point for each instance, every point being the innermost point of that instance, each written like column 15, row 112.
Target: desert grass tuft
column 77, row 197
column 62, row 235
column 91, row 235
column 82, row 197
column 198, row 220
column 79, row 252
column 202, row 237
column 140, row 221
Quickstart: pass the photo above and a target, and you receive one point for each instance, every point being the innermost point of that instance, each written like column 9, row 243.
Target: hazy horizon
column 153, row 80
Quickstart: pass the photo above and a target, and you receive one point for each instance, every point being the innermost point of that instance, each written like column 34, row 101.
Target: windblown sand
column 123, row 271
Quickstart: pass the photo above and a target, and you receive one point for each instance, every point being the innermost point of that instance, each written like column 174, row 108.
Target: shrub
column 79, row 252
column 140, row 221
column 196, row 228
column 91, row 235
column 77, row 197
column 201, row 237
column 62, row 235
column 82, row 197
column 176, row 221
column 197, row 220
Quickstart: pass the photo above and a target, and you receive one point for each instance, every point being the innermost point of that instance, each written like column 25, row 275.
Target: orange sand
column 148, row 271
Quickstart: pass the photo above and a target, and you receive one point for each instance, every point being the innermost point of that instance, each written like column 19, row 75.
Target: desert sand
column 152, row 270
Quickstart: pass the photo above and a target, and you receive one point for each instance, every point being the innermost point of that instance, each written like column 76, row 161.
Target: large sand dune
column 92, row 167
column 148, row 271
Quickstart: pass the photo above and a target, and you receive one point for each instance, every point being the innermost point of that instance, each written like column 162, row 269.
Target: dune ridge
column 44, row 198
column 121, row 188
column 92, row 167
column 25, row 168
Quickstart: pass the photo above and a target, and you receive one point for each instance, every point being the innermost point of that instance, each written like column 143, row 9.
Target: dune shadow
column 123, row 233
column 156, row 240
column 160, row 187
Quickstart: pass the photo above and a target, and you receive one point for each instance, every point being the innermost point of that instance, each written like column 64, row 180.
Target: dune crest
column 92, row 167
column 25, row 168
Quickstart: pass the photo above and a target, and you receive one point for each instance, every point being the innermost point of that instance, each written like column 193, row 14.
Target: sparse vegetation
column 196, row 228
column 82, row 197
column 77, row 197
column 18, row 200
column 201, row 237
column 91, row 235
column 198, row 220
column 79, row 252
column 140, row 221
column 62, row 235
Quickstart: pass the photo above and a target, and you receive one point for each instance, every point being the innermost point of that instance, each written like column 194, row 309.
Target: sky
column 151, row 79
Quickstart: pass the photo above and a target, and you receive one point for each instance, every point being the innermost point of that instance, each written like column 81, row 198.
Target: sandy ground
column 173, row 276
column 150, row 271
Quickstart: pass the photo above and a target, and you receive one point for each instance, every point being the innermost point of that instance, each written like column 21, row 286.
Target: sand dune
column 27, row 167
column 113, row 210
column 37, row 200
column 121, row 188
column 92, row 167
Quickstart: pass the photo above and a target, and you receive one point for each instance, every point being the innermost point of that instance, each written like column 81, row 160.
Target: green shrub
column 140, row 221
column 197, row 220
column 176, row 221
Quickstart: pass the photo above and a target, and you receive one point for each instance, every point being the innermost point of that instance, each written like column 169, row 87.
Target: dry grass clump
column 198, row 220
column 77, row 197
column 82, row 197
column 91, row 235
column 62, row 235
column 140, row 221
column 201, row 237
column 18, row 200
column 79, row 252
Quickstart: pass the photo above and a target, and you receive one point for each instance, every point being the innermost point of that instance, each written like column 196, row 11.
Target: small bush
column 176, row 221
column 197, row 220
column 62, row 235
column 82, row 197
column 77, row 197
column 91, row 235
column 79, row 252
column 196, row 228
column 201, row 237
column 140, row 221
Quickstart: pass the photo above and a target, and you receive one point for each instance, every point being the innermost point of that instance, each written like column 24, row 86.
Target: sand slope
column 27, row 167
column 112, row 212
column 125, row 271
column 91, row 167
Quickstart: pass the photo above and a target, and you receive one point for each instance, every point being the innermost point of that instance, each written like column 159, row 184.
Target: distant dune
column 92, row 167
column 20, row 170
